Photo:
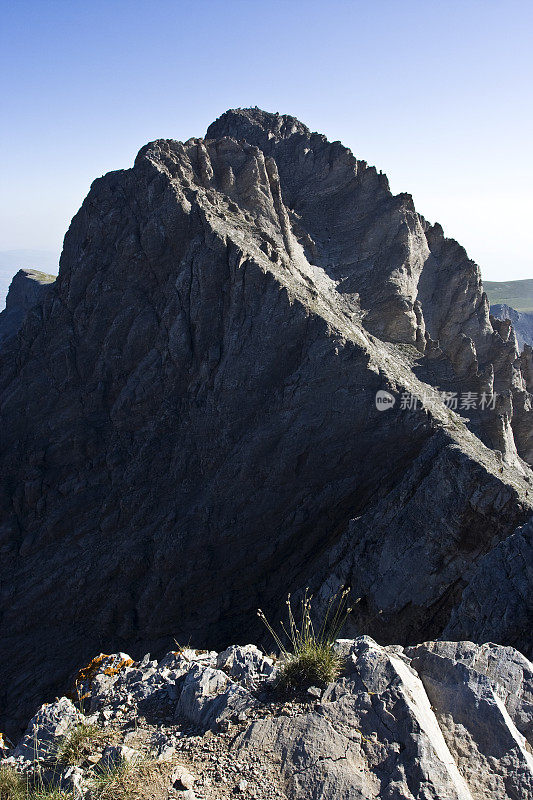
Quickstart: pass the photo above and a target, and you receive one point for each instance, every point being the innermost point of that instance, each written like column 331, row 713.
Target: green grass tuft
column 313, row 665
column 308, row 657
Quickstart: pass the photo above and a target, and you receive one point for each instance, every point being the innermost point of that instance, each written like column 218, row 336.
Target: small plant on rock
column 309, row 657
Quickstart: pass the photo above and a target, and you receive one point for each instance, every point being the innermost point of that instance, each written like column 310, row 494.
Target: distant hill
column 516, row 294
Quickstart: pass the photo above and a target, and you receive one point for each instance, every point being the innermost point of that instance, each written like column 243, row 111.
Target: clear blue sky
column 437, row 94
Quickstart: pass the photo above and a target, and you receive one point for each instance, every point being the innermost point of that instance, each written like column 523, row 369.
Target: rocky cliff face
column 28, row 288
column 199, row 432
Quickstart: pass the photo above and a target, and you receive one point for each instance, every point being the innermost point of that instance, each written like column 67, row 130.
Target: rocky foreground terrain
column 438, row 721
column 190, row 430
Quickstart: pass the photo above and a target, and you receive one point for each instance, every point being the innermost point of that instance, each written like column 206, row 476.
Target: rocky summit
column 258, row 371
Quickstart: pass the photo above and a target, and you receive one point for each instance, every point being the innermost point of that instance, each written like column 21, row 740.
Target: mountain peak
column 202, row 430
column 238, row 122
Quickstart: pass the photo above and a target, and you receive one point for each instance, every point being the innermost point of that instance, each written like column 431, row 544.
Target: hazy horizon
column 435, row 97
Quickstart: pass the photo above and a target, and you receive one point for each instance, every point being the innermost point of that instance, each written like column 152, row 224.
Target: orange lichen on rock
column 88, row 673
column 5, row 743
column 125, row 662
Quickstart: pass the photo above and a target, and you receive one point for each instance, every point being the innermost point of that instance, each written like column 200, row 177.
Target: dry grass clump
column 44, row 793
column 143, row 780
column 11, row 785
column 14, row 786
column 308, row 657
column 80, row 742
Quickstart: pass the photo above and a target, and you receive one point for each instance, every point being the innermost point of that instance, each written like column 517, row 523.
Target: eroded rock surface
column 189, row 426
column 45, row 731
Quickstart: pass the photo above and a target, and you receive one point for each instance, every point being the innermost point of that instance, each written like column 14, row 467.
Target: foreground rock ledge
column 442, row 720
